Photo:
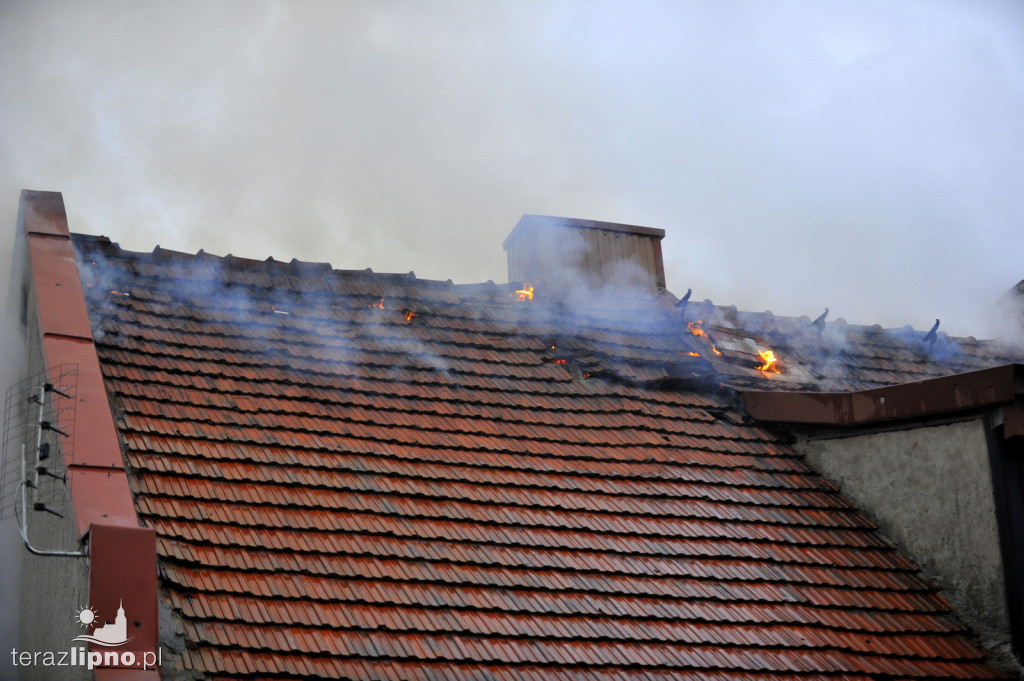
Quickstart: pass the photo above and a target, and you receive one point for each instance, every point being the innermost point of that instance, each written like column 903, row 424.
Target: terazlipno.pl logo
column 109, row 635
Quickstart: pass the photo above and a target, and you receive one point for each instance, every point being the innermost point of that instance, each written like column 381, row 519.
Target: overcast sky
column 864, row 156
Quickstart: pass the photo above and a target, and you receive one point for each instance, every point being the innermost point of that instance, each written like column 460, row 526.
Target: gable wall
column 930, row 491
column 59, row 585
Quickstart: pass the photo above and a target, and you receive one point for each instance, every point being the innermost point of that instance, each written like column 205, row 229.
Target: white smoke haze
column 861, row 156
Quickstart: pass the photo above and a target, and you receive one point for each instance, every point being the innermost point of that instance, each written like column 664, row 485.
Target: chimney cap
column 529, row 221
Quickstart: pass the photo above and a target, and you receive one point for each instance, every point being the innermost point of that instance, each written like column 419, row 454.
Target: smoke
column 857, row 155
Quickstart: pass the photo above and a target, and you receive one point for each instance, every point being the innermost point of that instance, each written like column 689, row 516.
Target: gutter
column 122, row 553
column 973, row 390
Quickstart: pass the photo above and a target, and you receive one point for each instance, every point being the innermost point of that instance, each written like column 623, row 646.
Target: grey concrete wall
column 13, row 366
column 54, row 588
column 929, row 489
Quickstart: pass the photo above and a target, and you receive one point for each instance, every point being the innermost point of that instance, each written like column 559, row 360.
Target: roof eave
column 967, row 391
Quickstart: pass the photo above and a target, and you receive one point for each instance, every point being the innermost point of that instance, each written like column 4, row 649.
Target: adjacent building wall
column 929, row 489
column 54, row 588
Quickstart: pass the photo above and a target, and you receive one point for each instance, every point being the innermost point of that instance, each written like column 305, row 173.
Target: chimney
column 570, row 255
column 1011, row 309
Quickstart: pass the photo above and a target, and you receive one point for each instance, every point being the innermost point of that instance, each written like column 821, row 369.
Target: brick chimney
column 570, row 255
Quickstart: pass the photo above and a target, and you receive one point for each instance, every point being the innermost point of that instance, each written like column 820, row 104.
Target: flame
column 693, row 354
column 525, row 293
column 119, row 293
column 409, row 315
column 769, row 359
column 697, row 329
column 379, row 305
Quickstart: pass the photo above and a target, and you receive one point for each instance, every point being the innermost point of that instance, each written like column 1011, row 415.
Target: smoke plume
column 863, row 156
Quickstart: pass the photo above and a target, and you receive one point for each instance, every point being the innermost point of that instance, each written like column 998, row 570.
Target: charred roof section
column 832, row 357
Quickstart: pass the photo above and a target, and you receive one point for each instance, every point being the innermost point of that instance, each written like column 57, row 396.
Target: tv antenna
column 39, row 422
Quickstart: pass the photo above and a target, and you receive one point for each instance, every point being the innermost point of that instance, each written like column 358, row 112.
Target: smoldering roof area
column 283, row 315
column 859, row 156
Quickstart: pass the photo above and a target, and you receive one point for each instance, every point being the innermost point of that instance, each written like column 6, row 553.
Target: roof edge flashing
column 43, row 213
column 958, row 392
column 95, row 465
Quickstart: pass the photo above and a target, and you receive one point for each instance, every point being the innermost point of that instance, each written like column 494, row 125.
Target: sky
column 862, row 156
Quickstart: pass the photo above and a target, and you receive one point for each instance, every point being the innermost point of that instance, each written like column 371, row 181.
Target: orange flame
column 693, row 354
column 409, row 315
column 379, row 305
column 769, row 359
column 525, row 293
column 697, row 329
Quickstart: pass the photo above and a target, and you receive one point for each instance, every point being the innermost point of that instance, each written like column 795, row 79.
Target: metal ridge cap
column 957, row 392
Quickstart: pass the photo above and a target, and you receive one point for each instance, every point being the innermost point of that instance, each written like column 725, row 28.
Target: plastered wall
column 54, row 588
column 929, row 489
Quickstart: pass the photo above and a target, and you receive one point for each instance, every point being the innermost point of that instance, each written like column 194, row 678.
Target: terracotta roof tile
column 493, row 490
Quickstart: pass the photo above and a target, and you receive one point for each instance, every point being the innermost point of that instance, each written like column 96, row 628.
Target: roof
column 360, row 475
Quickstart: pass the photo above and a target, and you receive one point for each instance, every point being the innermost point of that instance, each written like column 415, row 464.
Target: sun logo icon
column 87, row 616
column 105, row 634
